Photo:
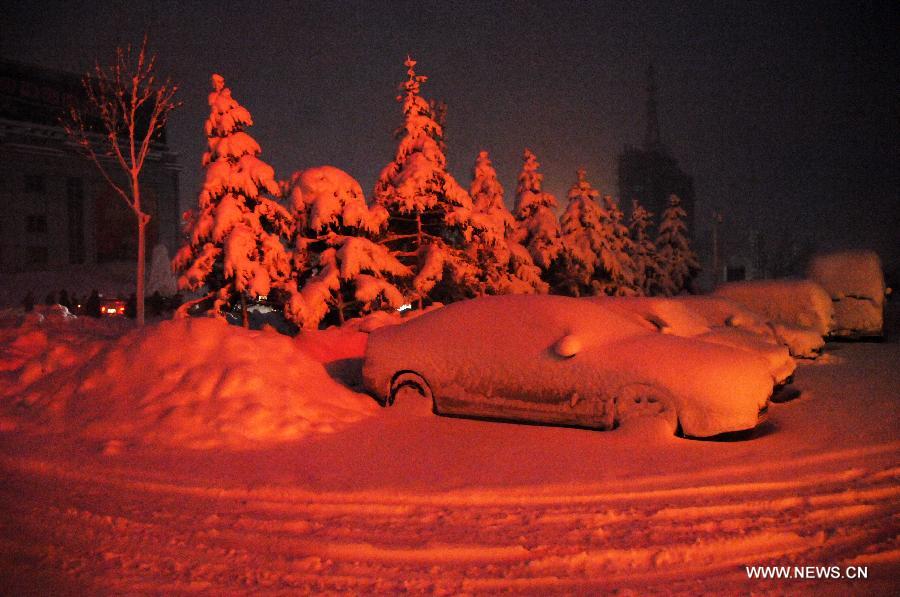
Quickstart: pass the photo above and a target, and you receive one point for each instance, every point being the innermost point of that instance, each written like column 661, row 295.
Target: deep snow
column 401, row 500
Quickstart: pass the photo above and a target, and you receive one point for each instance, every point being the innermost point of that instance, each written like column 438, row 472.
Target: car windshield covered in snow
column 566, row 361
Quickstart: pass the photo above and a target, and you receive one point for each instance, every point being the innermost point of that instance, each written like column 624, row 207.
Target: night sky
column 786, row 116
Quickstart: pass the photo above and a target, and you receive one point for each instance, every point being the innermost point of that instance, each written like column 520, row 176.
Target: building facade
column 57, row 209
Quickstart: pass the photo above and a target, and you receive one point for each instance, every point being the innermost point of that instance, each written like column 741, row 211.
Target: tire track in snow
column 119, row 533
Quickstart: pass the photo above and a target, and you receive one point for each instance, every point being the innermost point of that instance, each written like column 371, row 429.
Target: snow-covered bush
column 337, row 267
column 234, row 245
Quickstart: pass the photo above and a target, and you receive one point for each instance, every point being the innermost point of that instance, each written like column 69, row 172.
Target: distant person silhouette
column 131, row 307
column 92, row 306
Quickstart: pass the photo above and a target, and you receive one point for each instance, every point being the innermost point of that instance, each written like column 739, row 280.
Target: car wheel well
column 408, row 378
column 647, row 399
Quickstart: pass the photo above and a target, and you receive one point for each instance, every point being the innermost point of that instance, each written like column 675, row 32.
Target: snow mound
column 196, row 383
column 800, row 303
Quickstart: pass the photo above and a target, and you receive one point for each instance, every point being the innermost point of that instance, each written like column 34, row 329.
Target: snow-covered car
column 670, row 316
column 855, row 282
column 801, row 304
column 721, row 313
column 565, row 361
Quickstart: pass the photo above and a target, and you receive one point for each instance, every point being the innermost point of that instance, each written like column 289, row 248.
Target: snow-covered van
column 855, row 282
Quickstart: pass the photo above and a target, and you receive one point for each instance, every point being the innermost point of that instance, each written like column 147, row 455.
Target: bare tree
column 126, row 109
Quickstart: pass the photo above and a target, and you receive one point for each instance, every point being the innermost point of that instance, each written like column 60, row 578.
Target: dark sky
column 786, row 114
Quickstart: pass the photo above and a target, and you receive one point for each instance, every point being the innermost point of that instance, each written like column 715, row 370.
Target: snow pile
column 855, row 282
column 196, row 383
column 800, row 303
column 48, row 338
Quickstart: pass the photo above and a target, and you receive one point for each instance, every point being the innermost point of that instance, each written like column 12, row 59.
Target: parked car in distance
column 855, row 282
column 671, row 316
column 565, row 361
column 112, row 307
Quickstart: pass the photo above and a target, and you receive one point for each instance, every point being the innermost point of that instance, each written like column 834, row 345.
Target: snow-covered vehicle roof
column 855, row 282
column 676, row 318
column 723, row 313
column 799, row 303
column 560, row 360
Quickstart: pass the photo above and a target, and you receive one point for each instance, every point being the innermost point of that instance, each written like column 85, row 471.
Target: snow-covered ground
column 231, row 461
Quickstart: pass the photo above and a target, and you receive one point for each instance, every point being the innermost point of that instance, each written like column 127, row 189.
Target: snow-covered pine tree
column 538, row 227
column 584, row 239
column 646, row 261
column 618, row 261
column 678, row 263
column 430, row 214
column 505, row 267
column 234, row 245
column 337, row 266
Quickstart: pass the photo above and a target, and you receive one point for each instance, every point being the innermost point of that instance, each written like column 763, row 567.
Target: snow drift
column 196, row 383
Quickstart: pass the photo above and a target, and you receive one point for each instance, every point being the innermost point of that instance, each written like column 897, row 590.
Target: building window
column 34, row 183
column 36, row 224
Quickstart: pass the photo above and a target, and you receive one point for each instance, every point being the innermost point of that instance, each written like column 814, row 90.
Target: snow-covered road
column 120, row 533
column 405, row 501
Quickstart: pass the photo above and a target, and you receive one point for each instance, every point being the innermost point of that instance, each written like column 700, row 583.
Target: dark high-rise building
column 57, row 210
column 649, row 173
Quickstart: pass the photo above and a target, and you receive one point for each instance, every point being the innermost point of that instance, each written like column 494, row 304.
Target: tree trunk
column 142, row 219
column 245, row 318
column 419, row 245
column 139, row 295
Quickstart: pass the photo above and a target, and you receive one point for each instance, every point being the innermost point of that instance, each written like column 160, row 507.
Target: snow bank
column 801, row 303
column 196, row 383
column 855, row 282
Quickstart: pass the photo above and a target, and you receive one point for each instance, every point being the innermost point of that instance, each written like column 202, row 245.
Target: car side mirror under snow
column 568, row 346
